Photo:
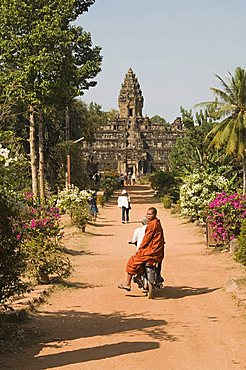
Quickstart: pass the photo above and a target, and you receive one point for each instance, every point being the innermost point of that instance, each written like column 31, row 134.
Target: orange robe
column 152, row 246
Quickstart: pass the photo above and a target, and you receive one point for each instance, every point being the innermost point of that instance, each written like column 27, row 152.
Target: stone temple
column 131, row 143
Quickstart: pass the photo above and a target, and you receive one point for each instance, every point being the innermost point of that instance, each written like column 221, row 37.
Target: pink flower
column 33, row 223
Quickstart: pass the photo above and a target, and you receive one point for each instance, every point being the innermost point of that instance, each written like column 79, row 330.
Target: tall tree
column 230, row 107
column 49, row 60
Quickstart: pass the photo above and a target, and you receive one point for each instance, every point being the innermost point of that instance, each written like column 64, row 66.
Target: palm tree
column 230, row 106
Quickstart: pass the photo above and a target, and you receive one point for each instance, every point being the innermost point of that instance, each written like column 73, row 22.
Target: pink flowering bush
column 40, row 235
column 225, row 215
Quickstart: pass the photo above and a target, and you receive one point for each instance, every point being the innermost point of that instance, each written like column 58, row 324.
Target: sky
column 175, row 48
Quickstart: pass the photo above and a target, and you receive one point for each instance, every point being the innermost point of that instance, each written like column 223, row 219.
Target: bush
column 240, row 255
column 75, row 202
column 108, row 185
column 40, row 237
column 12, row 263
column 166, row 201
column 225, row 215
column 143, row 180
column 100, row 200
column 166, row 183
column 80, row 215
column 14, row 166
column 198, row 190
column 176, row 209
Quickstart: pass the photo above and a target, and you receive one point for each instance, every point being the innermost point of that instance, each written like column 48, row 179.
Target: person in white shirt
column 139, row 234
column 124, row 204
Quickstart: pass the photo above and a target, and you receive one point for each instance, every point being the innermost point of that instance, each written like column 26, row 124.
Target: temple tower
column 130, row 99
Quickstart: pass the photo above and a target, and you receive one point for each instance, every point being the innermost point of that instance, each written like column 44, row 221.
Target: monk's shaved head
column 153, row 210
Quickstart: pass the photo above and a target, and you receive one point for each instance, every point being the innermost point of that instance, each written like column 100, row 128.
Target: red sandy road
column 192, row 324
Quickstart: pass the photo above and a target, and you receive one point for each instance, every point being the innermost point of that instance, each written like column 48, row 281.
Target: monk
column 152, row 247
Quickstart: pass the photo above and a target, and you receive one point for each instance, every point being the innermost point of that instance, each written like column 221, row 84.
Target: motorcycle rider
column 152, row 247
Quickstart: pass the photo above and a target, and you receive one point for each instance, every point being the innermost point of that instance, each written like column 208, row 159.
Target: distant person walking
column 92, row 200
column 125, row 205
column 122, row 179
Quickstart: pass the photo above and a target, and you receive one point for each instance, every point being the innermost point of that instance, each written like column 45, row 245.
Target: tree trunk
column 68, row 169
column 33, row 156
column 244, row 173
column 41, row 157
column 67, row 123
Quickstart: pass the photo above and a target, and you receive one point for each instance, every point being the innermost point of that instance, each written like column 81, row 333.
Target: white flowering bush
column 14, row 167
column 75, row 202
column 72, row 196
column 198, row 190
column 5, row 157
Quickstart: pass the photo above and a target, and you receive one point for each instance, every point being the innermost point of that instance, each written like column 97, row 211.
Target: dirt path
column 192, row 324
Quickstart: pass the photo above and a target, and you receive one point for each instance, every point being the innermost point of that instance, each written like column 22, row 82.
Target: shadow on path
column 95, row 353
column 170, row 292
column 68, row 325
column 89, row 233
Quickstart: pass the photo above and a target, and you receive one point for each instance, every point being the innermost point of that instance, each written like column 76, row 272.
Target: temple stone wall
column 132, row 142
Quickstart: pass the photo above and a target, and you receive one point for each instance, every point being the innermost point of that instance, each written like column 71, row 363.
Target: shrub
column 225, row 215
column 100, row 200
column 40, row 237
column 240, row 255
column 80, row 215
column 166, row 201
column 143, row 179
column 12, row 263
column 166, row 183
column 14, row 166
column 198, row 190
column 75, row 202
column 176, row 209
column 108, row 185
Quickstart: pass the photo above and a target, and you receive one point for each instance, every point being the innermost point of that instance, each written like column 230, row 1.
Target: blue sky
column 175, row 47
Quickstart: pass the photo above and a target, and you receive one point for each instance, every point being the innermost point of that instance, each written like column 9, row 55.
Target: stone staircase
column 139, row 194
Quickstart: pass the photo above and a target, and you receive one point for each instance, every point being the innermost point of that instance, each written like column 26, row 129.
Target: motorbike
column 149, row 279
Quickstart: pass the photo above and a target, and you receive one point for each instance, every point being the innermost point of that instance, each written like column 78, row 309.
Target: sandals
column 121, row 286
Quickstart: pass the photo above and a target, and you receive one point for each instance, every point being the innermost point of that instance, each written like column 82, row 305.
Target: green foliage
column 158, row 120
column 166, row 183
column 231, row 104
column 166, row 201
column 230, row 107
column 191, row 151
column 46, row 61
column 112, row 115
column 80, row 215
column 46, row 58
column 187, row 118
column 101, row 200
column 12, row 263
column 85, row 119
column 198, row 190
column 109, row 183
column 75, row 202
column 14, row 168
column 176, row 208
column 45, row 257
column 78, row 169
column 240, row 255
column 40, row 237
column 143, row 179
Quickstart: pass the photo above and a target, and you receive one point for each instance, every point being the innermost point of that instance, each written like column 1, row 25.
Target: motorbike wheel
column 150, row 291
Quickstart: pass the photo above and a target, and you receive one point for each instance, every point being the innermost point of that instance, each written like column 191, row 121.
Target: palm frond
column 221, row 94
